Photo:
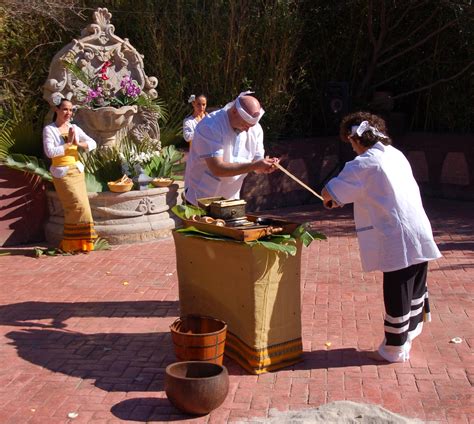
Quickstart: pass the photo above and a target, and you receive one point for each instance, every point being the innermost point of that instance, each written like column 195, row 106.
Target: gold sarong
column 79, row 232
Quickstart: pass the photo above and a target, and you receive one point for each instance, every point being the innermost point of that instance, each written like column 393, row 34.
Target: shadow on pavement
column 148, row 409
column 115, row 361
column 20, row 314
column 334, row 358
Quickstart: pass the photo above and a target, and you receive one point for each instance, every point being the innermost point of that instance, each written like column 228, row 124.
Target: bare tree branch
column 409, row 9
column 414, row 46
column 40, row 45
column 418, row 28
column 377, row 43
column 370, row 29
column 402, row 72
column 440, row 81
column 55, row 10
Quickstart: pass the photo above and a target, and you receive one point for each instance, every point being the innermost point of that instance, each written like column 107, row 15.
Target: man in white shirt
column 394, row 233
column 227, row 145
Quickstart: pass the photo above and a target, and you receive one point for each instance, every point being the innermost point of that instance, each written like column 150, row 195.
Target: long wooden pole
column 301, row 183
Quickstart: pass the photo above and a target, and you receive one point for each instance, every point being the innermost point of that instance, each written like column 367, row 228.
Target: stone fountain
column 119, row 217
column 97, row 45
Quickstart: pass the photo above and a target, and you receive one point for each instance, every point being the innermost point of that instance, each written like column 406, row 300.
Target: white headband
column 365, row 126
column 191, row 99
column 243, row 114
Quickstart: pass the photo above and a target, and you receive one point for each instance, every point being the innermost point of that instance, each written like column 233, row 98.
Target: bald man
column 227, row 145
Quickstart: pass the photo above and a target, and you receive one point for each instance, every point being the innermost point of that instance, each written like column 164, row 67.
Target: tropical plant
column 104, row 165
column 18, row 148
column 167, row 165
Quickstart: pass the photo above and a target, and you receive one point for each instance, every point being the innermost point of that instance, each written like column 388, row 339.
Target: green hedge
column 286, row 51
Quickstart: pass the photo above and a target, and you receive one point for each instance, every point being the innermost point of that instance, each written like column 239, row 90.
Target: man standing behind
column 227, row 145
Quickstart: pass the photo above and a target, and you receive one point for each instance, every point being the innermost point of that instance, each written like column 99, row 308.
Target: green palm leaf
column 26, row 163
column 101, row 244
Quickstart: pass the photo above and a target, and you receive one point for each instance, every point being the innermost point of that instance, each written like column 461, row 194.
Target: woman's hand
column 328, row 201
column 75, row 140
column 71, row 137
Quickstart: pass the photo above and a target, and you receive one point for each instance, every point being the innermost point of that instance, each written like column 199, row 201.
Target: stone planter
column 104, row 123
column 123, row 218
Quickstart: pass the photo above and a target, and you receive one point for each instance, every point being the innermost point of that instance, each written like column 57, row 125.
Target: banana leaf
column 286, row 245
column 30, row 164
column 187, row 211
column 307, row 235
column 289, row 249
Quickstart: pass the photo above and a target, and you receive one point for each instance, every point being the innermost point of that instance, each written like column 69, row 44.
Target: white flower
column 56, row 98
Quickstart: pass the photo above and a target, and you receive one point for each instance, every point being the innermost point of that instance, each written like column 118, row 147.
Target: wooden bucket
column 199, row 338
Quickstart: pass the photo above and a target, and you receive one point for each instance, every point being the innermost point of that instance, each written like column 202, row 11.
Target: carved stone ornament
column 97, row 45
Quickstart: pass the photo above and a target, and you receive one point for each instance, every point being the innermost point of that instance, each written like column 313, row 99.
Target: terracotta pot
column 197, row 338
column 196, row 387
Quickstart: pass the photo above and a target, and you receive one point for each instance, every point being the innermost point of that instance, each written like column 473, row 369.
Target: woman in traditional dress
column 199, row 104
column 61, row 142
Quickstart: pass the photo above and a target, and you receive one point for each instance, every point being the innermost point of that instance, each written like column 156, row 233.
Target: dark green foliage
column 20, row 146
column 167, row 165
column 285, row 50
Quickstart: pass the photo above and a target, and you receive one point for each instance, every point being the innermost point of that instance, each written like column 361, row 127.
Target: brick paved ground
column 88, row 334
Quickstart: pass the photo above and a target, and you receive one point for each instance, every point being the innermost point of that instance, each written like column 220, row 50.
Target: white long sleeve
column 53, row 146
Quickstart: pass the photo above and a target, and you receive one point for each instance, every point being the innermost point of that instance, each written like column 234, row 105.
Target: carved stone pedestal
column 123, row 218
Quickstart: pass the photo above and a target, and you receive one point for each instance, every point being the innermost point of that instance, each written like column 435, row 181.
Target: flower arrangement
column 100, row 93
column 97, row 91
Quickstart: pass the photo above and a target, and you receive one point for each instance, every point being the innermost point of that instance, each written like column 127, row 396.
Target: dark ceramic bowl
column 196, row 387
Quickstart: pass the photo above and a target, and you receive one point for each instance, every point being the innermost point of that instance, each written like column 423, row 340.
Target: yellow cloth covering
column 71, row 156
column 79, row 233
column 256, row 291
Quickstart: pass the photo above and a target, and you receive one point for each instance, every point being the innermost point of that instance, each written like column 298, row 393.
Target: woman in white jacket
column 61, row 142
column 392, row 228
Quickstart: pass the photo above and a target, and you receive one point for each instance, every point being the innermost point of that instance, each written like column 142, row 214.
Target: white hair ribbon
column 243, row 114
column 57, row 98
column 364, row 127
column 191, row 99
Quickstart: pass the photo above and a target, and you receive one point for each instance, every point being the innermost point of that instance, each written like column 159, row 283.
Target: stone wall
column 443, row 165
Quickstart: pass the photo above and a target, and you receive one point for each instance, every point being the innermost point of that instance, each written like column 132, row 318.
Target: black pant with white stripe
column 406, row 307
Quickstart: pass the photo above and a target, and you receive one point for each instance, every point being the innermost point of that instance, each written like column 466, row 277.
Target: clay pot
column 196, row 387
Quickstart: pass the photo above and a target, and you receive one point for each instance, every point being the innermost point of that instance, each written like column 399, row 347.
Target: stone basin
column 103, row 123
column 123, row 218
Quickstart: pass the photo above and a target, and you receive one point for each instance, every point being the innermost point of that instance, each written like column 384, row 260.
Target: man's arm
column 219, row 168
